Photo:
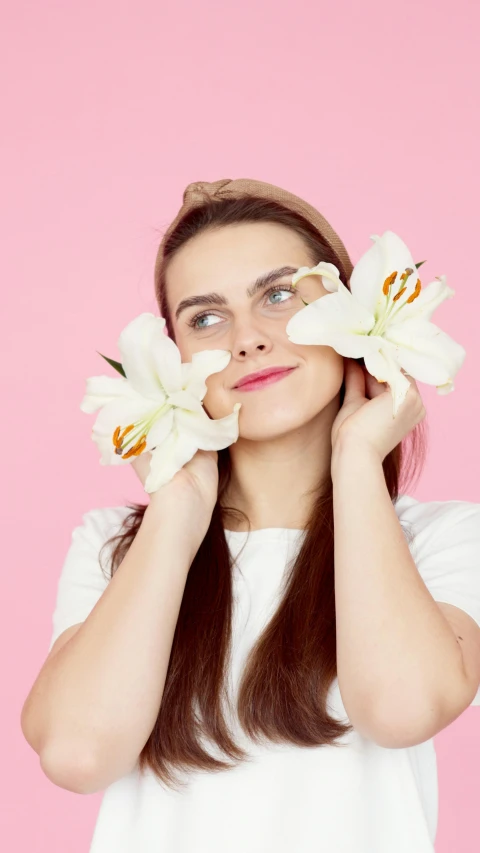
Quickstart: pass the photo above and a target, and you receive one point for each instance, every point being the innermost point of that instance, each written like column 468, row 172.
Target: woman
column 280, row 603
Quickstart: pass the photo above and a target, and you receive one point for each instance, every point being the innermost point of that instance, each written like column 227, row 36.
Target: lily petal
column 185, row 400
column 336, row 320
column 425, row 351
column 446, row 389
column 168, row 458
column 429, row 298
column 167, row 362
column 160, row 429
column 329, row 273
column 211, row 360
column 203, row 364
column 136, row 344
column 103, row 389
column 384, row 367
column 208, row 433
column 388, row 254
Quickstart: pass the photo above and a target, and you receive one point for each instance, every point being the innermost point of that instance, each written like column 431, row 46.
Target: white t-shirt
column 360, row 798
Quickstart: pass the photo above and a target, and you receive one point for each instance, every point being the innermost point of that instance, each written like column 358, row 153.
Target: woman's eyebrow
column 218, row 299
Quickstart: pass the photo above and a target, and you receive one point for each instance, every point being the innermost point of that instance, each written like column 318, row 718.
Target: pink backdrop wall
column 369, row 110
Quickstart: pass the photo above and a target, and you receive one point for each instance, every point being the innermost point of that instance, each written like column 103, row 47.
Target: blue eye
column 279, row 290
column 279, row 287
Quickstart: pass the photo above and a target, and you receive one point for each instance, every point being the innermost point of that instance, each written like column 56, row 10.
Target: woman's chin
column 269, row 426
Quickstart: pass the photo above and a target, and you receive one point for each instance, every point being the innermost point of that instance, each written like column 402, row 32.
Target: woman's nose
column 250, row 341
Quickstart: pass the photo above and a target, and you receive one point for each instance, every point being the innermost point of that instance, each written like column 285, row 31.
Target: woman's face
column 227, row 262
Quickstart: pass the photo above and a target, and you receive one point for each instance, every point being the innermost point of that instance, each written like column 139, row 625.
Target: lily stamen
column 140, row 443
column 118, row 437
column 388, row 282
column 416, row 292
column 137, row 448
column 399, row 294
column 408, row 272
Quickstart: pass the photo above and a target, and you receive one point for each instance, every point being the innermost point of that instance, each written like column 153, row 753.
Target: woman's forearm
column 95, row 702
column 394, row 646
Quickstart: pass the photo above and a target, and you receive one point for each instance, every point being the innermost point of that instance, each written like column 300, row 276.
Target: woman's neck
column 276, row 483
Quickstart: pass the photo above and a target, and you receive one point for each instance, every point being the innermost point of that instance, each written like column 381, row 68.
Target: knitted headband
column 199, row 192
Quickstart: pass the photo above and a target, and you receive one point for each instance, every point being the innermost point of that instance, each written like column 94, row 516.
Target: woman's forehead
column 234, row 255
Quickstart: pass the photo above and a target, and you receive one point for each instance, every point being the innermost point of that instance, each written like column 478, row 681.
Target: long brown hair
column 283, row 691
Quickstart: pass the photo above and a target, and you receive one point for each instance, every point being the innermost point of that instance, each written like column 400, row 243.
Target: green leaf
column 115, row 364
column 420, row 264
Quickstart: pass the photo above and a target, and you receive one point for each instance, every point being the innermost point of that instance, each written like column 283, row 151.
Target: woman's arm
column 95, row 702
column 400, row 666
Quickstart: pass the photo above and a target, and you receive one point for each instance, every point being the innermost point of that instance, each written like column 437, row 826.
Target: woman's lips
column 265, row 380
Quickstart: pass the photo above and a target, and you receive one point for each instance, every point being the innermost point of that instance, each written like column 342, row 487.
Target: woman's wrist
column 348, row 448
column 179, row 514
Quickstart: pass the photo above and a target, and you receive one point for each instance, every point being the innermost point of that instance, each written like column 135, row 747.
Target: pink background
column 369, row 110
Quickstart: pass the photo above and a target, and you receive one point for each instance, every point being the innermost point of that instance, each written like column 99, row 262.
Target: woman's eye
column 279, row 290
column 195, row 322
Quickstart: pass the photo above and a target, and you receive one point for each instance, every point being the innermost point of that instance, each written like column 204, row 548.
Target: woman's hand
column 366, row 414
column 197, row 480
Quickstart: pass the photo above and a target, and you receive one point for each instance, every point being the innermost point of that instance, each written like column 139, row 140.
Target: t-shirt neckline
column 264, row 533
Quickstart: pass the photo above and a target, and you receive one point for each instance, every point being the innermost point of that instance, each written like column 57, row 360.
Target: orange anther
column 137, row 448
column 127, row 429
column 398, row 295
column 388, row 282
column 116, row 437
column 416, row 292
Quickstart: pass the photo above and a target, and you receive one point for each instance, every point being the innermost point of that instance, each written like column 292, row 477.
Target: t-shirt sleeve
column 82, row 578
column 446, row 550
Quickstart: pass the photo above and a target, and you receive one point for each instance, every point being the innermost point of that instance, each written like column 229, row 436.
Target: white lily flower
column 383, row 318
column 329, row 274
column 157, row 405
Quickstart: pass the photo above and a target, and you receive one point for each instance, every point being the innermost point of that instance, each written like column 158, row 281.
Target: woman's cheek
column 215, row 401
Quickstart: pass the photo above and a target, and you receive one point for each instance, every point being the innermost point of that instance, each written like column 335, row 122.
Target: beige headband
column 201, row 191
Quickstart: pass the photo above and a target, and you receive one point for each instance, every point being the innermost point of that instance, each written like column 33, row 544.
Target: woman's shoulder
column 100, row 523
column 438, row 526
column 435, row 513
